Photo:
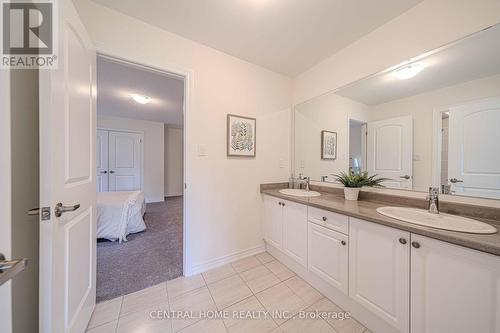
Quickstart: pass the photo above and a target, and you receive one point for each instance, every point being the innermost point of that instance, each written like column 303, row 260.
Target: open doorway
column 139, row 145
column 357, row 145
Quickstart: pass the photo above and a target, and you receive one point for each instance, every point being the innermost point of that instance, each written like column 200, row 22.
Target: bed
column 120, row 214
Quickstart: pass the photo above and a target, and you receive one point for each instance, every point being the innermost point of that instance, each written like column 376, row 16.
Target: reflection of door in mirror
column 390, row 151
column 474, row 148
column 357, row 145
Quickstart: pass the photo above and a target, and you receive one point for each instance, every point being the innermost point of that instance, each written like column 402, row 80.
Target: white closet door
column 390, row 151
column 125, row 161
column 474, row 146
column 102, row 161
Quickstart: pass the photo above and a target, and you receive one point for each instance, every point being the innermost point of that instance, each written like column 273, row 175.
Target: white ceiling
column 471, row 58
column 286, row 36
column 116, row 81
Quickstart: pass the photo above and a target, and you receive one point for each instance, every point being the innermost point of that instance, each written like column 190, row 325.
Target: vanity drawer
column 330, row 220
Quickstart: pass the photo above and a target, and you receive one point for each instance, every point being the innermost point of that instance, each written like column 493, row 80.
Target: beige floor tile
column 305, row 291
column 245, row 264
column 206, row 326
column 106, row 328
column 282, row 301
column 229, row 291
column 259, row 278
column 248, row 316
column 277, row 330
column 309, row 325
column 218, row 273
column 347, row 325
column 194, row 301
column 152, row 320
column 183, row 284
column 280, row 270
column 264, row 257
column 144, row 299
column 105, row 312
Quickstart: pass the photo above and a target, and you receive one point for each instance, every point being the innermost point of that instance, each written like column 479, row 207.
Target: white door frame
column 5, row 196
column 141, row 133
column 188, row 76
column 348, row 147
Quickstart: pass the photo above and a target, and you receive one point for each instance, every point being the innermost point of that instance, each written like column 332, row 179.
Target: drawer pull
column 415, row 244
column 324, row 218
column 343, row 243
column 402, row 240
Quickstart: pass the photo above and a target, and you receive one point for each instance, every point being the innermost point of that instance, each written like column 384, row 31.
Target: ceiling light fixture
column 408, row 71
column 141, row 99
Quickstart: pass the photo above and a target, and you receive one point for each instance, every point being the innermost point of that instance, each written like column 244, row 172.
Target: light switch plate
column 202, row 150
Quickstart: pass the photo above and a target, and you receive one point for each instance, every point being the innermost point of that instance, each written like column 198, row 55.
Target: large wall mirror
column 432, row 121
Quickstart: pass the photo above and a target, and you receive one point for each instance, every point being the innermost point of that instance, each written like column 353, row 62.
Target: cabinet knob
column 324, row 218
column 415, row 244
column 283, row 204
column 402, row 240
column 343, row 243
column 280, row 203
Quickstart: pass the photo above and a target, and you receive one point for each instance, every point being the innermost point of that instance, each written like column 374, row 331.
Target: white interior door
column 125, row 157
column 67, row 176
column 390, row 151
column 474, row 149
column 102, row 151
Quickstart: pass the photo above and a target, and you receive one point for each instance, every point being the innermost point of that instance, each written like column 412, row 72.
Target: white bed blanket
column 120, row 214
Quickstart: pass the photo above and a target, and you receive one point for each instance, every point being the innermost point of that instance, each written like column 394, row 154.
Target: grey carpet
column 147, row 258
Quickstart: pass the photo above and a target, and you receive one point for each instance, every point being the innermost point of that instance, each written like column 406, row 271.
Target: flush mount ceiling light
column 141, row 99
column 408, row 71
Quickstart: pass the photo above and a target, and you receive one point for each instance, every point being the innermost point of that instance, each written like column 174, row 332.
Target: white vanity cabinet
column 295, row 231
column 379, row 271
column 453, row 289
column 328, row 256
column 273, row 221
column 285, row 227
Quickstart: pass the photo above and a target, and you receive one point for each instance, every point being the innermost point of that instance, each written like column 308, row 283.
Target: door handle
column 104, row 171
column 405, row 177
column 10, row 268
column 454, row 180
column 60, row 209
column 111, row 171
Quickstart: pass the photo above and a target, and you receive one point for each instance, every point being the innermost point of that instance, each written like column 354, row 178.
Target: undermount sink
column 438, row 221
column 299, row 193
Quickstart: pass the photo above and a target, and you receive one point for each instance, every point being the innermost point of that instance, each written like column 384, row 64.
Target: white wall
column 153, row 151
column 329, row 112
column 421, row 108
column 425, row 27
column 355, row 145
column 223, row 213
column 174, row 161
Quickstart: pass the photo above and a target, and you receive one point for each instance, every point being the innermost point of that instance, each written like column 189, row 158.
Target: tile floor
column 258, row 285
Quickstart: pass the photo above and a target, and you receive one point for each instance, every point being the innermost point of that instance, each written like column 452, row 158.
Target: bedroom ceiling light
column 408, row 71
column 141, row 99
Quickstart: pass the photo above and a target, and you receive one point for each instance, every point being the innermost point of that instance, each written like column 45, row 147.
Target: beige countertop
column 366, row 210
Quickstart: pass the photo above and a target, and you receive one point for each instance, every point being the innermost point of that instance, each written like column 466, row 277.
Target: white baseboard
column 214, row 263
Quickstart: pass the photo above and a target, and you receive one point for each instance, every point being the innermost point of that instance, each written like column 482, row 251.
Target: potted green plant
column 353, row 181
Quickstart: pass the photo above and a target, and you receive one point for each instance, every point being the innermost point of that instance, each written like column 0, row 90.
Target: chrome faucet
column 433, row 200
column 304, row 180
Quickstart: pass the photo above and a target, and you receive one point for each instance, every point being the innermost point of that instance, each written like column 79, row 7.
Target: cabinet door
column 273, row 221
column 453, row 289
column 328, row 256
column 295, row 231
column 379, row 270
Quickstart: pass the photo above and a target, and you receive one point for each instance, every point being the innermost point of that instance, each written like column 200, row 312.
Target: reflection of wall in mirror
column 421, row 108
column 329, row 112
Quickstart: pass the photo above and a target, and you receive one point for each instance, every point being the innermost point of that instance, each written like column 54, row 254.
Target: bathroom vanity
column 393, row 276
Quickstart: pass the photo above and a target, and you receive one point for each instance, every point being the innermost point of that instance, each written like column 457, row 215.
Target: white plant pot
column 351, row 193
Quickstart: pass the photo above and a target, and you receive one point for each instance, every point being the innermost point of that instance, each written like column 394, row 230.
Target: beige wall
column 421, row 107
column 425, row 27
column 174, row 175
column 223, row 213
column 329, row 112
column 153, row 174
